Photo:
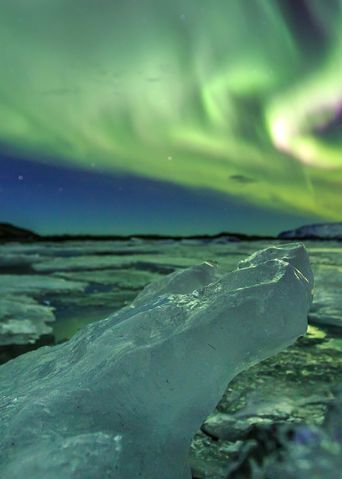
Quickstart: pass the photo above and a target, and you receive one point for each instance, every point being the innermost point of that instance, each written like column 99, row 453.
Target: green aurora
column 227, row 95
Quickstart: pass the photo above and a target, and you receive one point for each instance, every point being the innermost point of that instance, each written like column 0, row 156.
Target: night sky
column 173, row 117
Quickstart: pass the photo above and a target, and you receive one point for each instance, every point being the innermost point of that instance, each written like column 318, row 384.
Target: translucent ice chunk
column 123, row 398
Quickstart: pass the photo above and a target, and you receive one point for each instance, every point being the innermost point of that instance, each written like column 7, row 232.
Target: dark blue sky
column 57, row 199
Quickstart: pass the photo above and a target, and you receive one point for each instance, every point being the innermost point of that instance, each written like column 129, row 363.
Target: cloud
column 242, row 179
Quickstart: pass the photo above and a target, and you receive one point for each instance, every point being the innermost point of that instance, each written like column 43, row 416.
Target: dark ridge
column 222, row 235
column 10, row 232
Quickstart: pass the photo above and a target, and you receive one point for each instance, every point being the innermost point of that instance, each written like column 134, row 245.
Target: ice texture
column 23, row 320
column 36, row 284
column 123, row 397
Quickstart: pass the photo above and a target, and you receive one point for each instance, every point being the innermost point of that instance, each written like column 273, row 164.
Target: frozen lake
column 50, row 290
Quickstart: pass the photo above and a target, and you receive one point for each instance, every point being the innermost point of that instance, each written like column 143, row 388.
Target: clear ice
column 124, row 396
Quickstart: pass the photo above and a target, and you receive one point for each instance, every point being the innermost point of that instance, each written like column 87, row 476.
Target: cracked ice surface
column 22, row 319
column 124, row 397
column 36, row 284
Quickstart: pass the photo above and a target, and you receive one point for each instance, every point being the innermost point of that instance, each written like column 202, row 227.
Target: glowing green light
column 222, row 88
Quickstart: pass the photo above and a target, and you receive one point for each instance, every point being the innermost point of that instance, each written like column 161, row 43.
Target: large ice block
column 123, row 398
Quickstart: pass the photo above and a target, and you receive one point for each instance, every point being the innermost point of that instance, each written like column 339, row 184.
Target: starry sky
column 182, row 117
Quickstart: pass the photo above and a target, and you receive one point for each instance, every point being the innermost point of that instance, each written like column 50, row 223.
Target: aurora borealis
column 241, row 98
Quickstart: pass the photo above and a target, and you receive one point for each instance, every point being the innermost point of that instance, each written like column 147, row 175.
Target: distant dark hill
column 329, row 231
column 10, row 232
column 224, row 237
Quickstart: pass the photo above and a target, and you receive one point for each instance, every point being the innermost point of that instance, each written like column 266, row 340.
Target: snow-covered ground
column 320, row 231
